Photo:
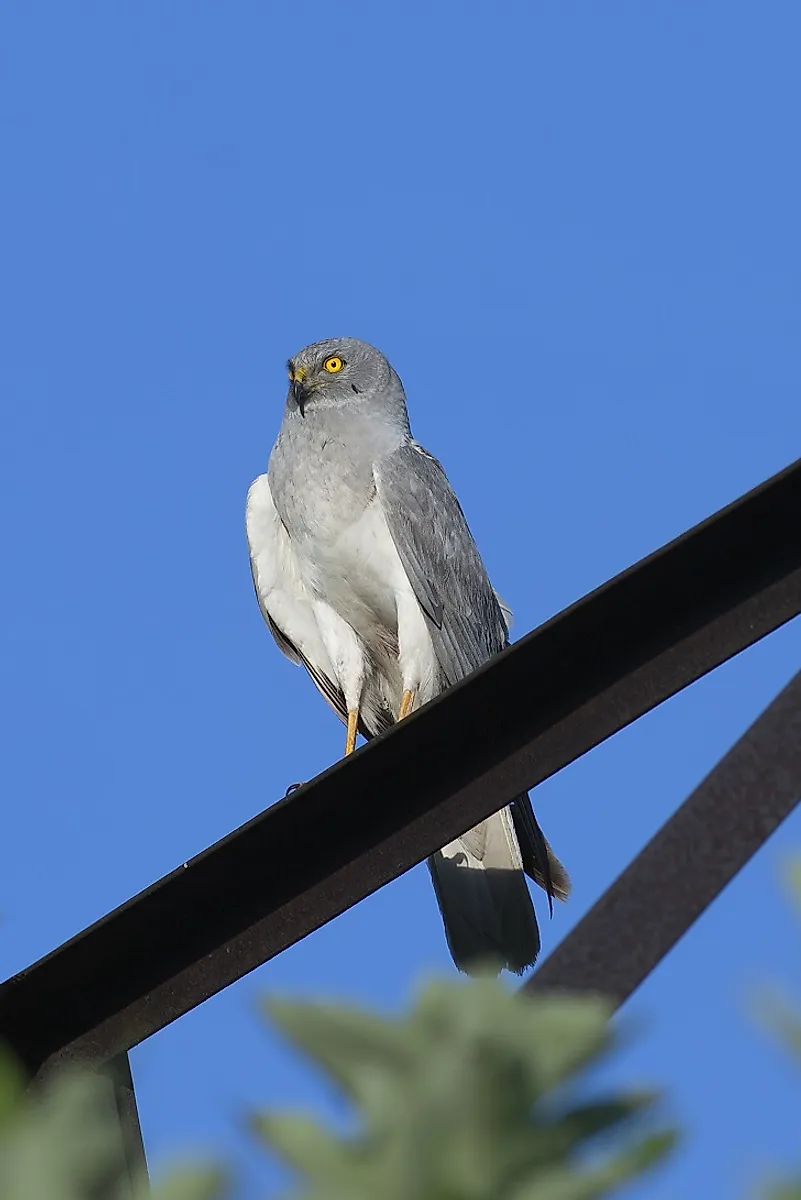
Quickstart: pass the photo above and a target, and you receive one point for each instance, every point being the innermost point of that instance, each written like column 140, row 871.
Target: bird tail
column 483, row 897
column 539, row 861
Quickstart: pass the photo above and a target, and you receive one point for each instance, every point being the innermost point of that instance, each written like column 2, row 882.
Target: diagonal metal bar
column 119, row 1099
column 688, row 863
column 123, row 1097
column 560, row 691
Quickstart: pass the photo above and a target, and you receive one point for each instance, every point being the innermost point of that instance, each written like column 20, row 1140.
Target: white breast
column 346, row 604
column 361, row 577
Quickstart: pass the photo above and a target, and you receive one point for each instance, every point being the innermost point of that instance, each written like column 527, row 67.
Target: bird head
column 342, row 373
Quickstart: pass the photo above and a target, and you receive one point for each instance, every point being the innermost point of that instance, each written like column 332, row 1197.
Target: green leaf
column 553, row 1035
column 12, row 1087
column 792, row 878
column 65, row 1146
column 578, row 1184
column 783, row 1020
column 784, row 1191
column 65, row 1143
column 472, row 1095
column 780, row 1018
column 303, row 1144
column 587, row 1121
column 194, row 1182
column 354, row 1046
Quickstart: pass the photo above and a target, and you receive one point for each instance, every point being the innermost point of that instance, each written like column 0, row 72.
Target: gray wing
column 440, row 559
column 468, row 623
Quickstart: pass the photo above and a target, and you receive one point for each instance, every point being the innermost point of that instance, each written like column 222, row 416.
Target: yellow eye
column 333, row 365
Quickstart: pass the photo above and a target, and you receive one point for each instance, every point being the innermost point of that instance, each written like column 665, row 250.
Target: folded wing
column 478, row 878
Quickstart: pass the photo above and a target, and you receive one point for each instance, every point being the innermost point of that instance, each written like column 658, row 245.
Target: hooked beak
column 300, row 392
column 300, row 395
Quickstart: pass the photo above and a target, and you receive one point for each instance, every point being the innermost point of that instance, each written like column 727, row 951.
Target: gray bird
column 366, row 573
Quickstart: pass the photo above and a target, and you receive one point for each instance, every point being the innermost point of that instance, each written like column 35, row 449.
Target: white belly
column 366, row 610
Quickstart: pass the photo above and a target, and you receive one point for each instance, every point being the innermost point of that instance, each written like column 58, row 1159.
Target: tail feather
column 539, row 861
column 480, row 885
column 482, row 894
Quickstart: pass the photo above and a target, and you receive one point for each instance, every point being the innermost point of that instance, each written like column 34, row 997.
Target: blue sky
column 573, row 228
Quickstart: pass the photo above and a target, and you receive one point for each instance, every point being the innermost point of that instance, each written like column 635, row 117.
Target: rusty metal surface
column 688, row 863
column 557, row 693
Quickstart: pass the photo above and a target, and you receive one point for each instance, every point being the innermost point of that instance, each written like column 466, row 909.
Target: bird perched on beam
column 366, row 573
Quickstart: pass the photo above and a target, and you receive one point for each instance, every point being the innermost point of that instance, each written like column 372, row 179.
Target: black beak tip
column 299, row 396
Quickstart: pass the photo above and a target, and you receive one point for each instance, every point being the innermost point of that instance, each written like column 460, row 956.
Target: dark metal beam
column 557, row 693
column 123, row 1097
column 688, row 863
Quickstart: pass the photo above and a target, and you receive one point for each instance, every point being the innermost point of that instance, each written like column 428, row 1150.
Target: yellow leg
column 406, row 703
column 353, row 725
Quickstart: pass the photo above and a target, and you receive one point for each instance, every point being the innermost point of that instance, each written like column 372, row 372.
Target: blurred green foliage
column 475, row 1095
column 64, row 1143
column 782, row 1018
